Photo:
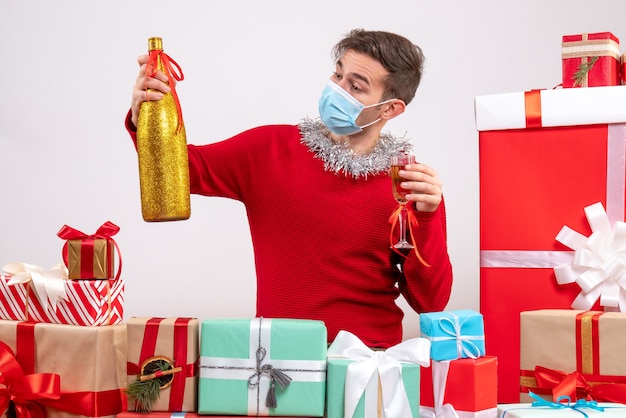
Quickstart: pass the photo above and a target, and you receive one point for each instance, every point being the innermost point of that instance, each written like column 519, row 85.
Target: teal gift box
column 363, row 383
column 454, row 334
column 262, row 367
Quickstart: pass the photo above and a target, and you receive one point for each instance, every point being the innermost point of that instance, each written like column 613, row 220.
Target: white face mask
column 339, row 110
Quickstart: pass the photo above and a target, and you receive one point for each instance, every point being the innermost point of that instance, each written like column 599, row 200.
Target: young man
column 318, row 197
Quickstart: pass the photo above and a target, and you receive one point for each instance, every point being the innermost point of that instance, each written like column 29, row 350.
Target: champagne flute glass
column 398, row 162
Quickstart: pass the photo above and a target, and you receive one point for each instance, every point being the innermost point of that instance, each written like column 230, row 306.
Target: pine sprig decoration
column 144, row 394
column 156, row 373
column 583, row 70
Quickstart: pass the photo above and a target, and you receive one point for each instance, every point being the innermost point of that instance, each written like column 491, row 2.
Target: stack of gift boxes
column 63, row 344
column 461, row 380
column 64, row 351
column 552, row 237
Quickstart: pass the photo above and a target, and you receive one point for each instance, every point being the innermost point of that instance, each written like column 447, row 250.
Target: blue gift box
column 454, row 334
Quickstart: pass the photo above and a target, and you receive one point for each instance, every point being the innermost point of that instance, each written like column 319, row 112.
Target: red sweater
column 321, row 239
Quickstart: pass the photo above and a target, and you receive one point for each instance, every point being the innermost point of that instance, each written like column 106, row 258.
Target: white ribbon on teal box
column 454, row 334
column 241, row 359
column 374, row 384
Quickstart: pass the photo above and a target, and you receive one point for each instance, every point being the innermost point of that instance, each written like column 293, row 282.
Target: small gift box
column 30, row 293
column 579, row 354
column 262, row 367
column 91, row 256
column 590, row 59
column 364, row 383
column 454, row 334
column 169, row 346
column 470, row 386
column 81, row 370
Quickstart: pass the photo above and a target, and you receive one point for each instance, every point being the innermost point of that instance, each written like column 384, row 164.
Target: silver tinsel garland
column 339, row 157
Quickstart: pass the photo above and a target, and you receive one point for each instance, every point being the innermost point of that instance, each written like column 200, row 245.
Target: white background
column 66, row 74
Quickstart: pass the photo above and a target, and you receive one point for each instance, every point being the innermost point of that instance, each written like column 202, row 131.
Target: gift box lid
column 573, row 44
column 558, row 107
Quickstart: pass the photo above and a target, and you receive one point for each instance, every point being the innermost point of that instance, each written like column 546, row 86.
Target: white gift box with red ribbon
column 30, row 293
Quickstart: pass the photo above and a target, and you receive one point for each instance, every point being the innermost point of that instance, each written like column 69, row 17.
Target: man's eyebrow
column 355, row 75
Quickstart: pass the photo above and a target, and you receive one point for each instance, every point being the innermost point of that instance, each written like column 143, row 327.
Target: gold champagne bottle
column 162, row 148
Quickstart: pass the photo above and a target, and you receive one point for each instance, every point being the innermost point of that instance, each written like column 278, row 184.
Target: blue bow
column 564, row 402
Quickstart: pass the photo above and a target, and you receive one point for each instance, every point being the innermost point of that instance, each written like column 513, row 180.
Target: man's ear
column 393, row 109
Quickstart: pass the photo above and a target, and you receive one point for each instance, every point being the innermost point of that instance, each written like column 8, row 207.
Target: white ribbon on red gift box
column 439, row 371
column 615, row 198
column 599, row 265
column 385, row 365
column 49, row 286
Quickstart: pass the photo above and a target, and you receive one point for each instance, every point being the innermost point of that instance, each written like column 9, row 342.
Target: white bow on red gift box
column 599, row 263
column 440, row 377
column 49, row 286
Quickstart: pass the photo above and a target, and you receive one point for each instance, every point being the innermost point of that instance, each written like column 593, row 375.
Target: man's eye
column 337, row 75
column 355, row 87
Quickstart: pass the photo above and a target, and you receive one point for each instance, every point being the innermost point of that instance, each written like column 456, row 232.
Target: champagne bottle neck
column 155, row 44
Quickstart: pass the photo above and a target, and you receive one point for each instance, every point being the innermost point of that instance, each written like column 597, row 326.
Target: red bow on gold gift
column 106, row 231
column 573, row 384
column 24, row 391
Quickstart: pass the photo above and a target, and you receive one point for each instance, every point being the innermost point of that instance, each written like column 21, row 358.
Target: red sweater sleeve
column 427, row 289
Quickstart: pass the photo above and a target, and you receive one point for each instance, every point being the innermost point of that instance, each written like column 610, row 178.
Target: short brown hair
column 400, row 57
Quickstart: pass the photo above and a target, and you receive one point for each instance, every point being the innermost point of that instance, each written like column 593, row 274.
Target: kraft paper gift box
column 246, row 364
column 544, row 156
column 89, row 364
column 590, row 59
column 90, row 256
column 454, row 334
column 470, row 386
column 175, row 341
column 572, row 353
column 363, row 383
column 31, row 293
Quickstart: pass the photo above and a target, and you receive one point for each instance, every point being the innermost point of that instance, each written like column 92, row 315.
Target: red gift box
column 544, row 157
column 91, row 256
column 82, row 302
column 471, row 385
column 174, row 339
column 590, row 59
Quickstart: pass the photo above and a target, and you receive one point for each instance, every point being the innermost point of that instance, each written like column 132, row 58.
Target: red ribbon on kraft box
column 91, row 256
column 31, row 392
column 586, row 382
